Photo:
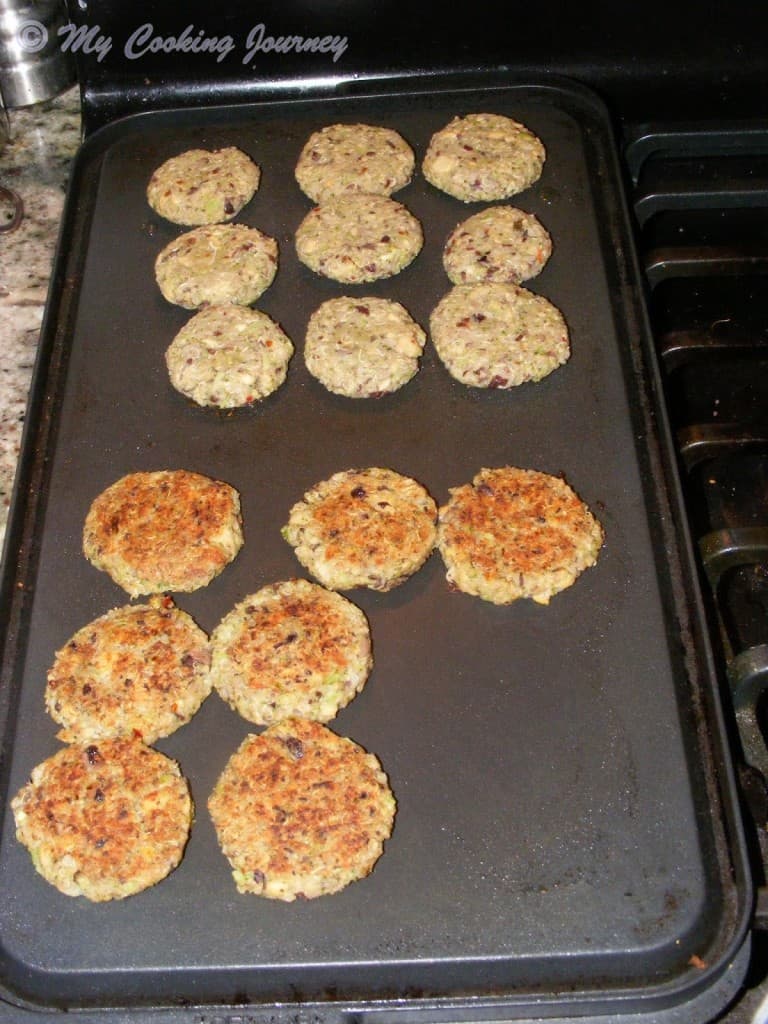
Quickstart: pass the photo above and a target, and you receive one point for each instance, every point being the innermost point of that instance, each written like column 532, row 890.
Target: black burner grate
column 702, row 218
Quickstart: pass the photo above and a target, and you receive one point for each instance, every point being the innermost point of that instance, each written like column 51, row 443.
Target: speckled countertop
column 35, row 163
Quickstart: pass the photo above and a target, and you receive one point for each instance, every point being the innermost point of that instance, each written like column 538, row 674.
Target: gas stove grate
column 701, row 206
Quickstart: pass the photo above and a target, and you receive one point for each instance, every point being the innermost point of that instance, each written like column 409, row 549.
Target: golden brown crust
column 516, row 533
column 363, row 528
column 291, row 649
column 138, row 671
column 104, row 820
column 163, row 530
column 301, row 812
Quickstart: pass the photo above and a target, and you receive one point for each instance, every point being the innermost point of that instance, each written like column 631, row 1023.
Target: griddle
column 567, row 842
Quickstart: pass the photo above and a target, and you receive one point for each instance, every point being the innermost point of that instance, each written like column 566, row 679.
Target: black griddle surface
column 551, row 833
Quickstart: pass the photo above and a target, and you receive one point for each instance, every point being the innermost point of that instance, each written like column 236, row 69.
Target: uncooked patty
column 104, row 820
column 301, row 812
column 515, row 533
column 498, row 335
column 501, row 243
column 228, row 356
column 139, row 670
column 202, row 186
column 363, row 348
column 358, row 238
column 216, row 264
column 163, row 530
column 363, row 528
column 482, row 157
column 344, row 158
column 293, row 649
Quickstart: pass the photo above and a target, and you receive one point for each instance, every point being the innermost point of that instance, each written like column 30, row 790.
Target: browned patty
column 292, row 649
column 164, row 530
column 515, row 533
column 369, row 527
column 140, row 670
column 301, row 812
column 104, row 820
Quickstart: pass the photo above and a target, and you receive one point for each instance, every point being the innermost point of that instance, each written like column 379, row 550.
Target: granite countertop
column 35, row 163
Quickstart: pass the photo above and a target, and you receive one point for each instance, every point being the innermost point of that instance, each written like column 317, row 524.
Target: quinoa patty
column 344, row 158
column 139, row 670
column 363, row 528
column 293, row 649
column 301, row 812
column 358, row 238
column 202, row 186
column 228, row 356
column 363, row 348
column 498, row 335
column 163, row 530
column 501, row 243
column 216, row 264
column 482, row 157
column 104, row 820
column 516, row 533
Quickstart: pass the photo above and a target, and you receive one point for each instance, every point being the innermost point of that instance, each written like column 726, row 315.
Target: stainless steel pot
column 33, row 66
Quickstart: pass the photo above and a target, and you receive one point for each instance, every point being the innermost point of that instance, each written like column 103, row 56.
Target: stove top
column 685, row 90
column 701, row 205
column 666, row 63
